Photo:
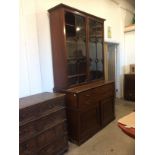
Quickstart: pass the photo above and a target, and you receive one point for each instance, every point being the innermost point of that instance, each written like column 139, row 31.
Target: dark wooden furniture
column 77, row 46
column 129, row 87
column 42, row 124
column 77, row 40
column 90, row 107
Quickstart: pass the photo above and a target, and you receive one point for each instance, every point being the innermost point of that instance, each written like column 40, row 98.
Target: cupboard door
column 89, row 122
column 107, row 111
column 96, row 50
column 76, row 48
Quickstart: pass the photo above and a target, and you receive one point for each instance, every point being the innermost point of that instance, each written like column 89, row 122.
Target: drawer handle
column 88, row 95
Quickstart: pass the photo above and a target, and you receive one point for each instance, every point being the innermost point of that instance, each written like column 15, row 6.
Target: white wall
column 129, row 50
column 38, row 22
column 29, row 67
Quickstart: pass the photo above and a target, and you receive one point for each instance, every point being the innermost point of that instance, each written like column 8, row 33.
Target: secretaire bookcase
column 77, row 40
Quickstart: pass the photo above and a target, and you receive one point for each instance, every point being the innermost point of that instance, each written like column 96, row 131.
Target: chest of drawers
column 129, row 87
column 90, row 107
column 42, row 124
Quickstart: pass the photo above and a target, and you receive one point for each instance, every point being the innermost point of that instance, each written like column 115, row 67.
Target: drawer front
column 86, row 99
column 41, row 124
column 36, row 110
column 92, row 96
column 48, row 105
column 56, row 148
column 51, row 135
column 104, row 91
column 28, row 148
column 39, row 142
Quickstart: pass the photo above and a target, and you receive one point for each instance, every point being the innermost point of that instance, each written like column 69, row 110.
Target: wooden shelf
column 76, row 75
column 76, row 58
column 129, row 28
column 70, row 25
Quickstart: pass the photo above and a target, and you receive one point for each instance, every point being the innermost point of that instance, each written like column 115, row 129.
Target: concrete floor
column 110, row 140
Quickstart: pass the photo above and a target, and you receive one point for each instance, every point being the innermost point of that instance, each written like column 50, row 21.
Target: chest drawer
column 55, row 148
column 36, row 126
column 28, row 148
column 42, row 120
column 42, row 140
column 36, row 111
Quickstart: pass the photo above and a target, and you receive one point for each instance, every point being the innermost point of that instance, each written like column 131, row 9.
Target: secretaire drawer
column 86, row 98
column 104, row 91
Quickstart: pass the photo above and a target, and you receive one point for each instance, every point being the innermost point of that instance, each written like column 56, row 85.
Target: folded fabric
column 128, row 120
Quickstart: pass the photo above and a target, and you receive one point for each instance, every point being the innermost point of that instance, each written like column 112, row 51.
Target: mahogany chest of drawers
column 90, row 107
column 129, row 87
column 42, row 124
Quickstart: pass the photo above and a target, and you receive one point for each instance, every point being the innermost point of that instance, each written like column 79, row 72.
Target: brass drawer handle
column 87, row 95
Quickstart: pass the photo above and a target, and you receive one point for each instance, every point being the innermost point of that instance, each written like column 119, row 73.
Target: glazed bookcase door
column 95, row 50
column 76, row 48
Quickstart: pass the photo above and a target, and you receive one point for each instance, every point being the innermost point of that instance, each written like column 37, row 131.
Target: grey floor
column 110, row 140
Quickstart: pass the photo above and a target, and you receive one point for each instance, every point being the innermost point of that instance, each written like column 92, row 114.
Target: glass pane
column 92, row 30
column 100, row 62
column 72, row 67
column 80, row 28
column 81, row 47
column 69, row 18
column 70, row 31
column 92, row 58
column 71, row 49
column 99, row 30
column 99, row 38
column 95, row 49
column 76, row 48
column 82, row 79
column 82, row 63
column 73, row 80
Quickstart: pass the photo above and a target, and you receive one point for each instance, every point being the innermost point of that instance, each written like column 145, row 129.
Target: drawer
column 41, row 124
column 86, row 95
column 51, row 135
column 104, row 91
column 28, row 147
column 86, row 98
column 58, row 147
column 34, row 111
column 37, row 143
column 90, row 97
column 48, row 105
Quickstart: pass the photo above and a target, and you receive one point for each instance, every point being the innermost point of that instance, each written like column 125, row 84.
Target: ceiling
column 132, row 2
